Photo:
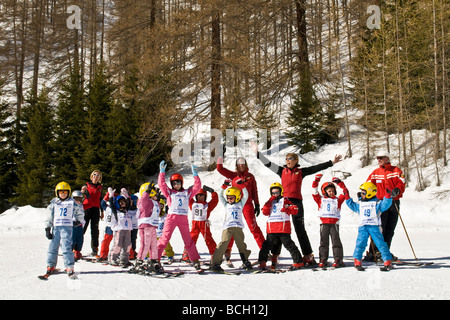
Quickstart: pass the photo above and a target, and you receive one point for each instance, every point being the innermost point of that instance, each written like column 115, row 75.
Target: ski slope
column 426, row 215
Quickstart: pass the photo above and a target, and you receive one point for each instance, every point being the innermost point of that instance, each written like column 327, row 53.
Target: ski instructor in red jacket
column 291, row 179
column 250, row 212
column 91, row 204
column 387, row 176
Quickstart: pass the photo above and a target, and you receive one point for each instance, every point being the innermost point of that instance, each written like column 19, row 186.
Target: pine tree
column 70, row 117
column 34, row 172
column 8, row 167
column 91, row 150
column 99, row 100
column 304, row 119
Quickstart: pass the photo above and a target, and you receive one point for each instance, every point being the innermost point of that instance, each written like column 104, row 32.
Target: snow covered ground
column 426, row 216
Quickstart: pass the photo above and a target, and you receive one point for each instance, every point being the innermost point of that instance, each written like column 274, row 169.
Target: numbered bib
column 108, row 216
column 63, row 214
column 124, row 222
column 234, row 216
column 199, row 211
column 368, row 213
column 329, row 209
column 180, row 203
column 276, row 215
column 154, row 218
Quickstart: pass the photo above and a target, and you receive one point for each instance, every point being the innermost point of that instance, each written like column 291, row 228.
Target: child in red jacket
column 279, row 209
column 329, row 213
column 201, row 210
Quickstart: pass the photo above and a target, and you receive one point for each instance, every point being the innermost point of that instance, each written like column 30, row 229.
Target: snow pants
column 203, row 228
column 92, row 215
column 363, row 236
column 104, row 250
column 121, row 245
column 149, row 243
column 298, row 221
column 389, row 219
column 227, row 234
column 276, row 239
column 182, row 222
column 62, row 236
column 328, row 230
column 77, row 238
column 250, row 218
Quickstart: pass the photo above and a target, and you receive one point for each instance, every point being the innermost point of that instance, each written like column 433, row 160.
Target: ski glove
column 48, row 234
column 162, row 167
column 194, row 170
column 257, row 209
column 208, row 189
column 111, row 192
column 392, row 193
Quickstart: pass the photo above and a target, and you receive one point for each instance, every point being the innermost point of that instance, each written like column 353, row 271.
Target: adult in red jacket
column 91, row 204
column 291, row 179
column 387, row 176
column 250, row 212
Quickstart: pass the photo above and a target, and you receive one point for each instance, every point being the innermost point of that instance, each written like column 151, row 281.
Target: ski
column 164, row 275
column 410, row 263
column 47, row 275
column 269, row 271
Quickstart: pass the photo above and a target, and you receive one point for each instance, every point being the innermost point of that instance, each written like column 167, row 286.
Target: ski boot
column 297, row 266
column 358, row 265
column 137, row 266
column 309, row 261
column 323, row 264
column 274, row 261
column 338, row 263
column 387, row 266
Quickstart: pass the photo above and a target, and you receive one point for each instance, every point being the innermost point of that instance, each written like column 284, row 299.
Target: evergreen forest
column 102, row 84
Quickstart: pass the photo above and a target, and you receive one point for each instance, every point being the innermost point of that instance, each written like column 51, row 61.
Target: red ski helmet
column 327, row 185
column 175, row 177
column 201, row 191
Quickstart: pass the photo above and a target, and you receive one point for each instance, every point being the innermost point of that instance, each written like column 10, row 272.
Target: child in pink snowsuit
column 148, row 224
column 178, row 202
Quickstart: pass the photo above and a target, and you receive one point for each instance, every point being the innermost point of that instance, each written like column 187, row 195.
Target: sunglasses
column 381, row 158
column 276, row 193
column 176, row 182
column 289, row 158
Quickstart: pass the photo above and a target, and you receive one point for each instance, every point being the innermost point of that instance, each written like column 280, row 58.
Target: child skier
column 330, row 214
column 108, row 236
column 148, row 224
column 201, row 211
column 178, row 202
column 279, row 209
column 63, row 210
column 232, row 226
column 369, row 209
column 168, row 251
column 77, row 236
column 121, row 226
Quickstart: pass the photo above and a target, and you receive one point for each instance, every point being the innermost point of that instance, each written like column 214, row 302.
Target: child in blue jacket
column 369, row 209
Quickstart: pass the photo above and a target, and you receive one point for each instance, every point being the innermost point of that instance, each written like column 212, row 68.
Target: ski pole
column 407, row 236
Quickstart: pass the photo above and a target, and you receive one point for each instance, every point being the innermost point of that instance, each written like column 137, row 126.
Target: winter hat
column 382, row 153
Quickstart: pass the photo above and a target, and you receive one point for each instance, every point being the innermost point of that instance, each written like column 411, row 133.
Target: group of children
column 128, row 217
